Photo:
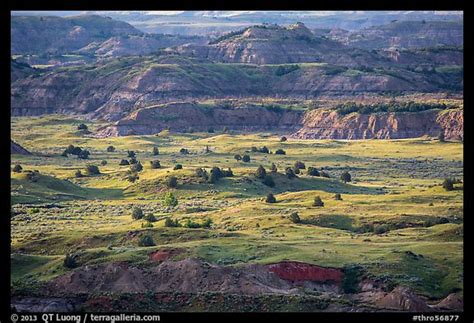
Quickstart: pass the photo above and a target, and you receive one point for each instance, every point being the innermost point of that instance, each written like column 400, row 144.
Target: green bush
column 448, row 184
column 261, row 172
column 172, row 182
column 137, row 213
column 110, row 149
column 299, row 165
column 246, row 158
column 156, row 152
column 177, row 166
column 78, row 174
column 70, row 261
column 82, row 127
column 131, row 154
column 17, row 168
column 295, row 218
column 382, row 228
column 346, row 177
column 237, row 157
column 103, row 163
column 136, row 168
column 283, row 139
column 312, row 171
column 124, row 162
column 280, row 152
column 338, row 197
column 183, row 151
column 318, row 202
column 171, row 224
column 155, row 164
column 352, row 277
column 92, row 170
column 273, row 168
column 149, row 218
column 270, row 198
column 146, row 241
column 170, row 200
column 290, row 173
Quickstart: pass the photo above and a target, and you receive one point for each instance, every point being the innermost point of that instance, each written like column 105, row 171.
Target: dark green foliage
column 312, row 171
column 294, row 217
column 261, row 172
column 155, row 164
column 299, row 165
column 346, row 177
column 290, row 173
column 183, row 151
column 264, row 150
column 103, row 163
column 131, row 154
column 110, row 149
column 93, row 170
column 318, row 202
column 268, row 180
column 137, row 213
column 352, row 277
column 270, row 198
column 246, row 158
column 64, row 154
column 32, row 176
column 78, row 174
column 324, row 174
column 338, row 197
column 156, row 152
column 146, row 241
column 124, row 162
column 285, row 69
column 191, row 224
column 133, row 161
column 382, row 228
column 351, row 107
column 282, row 139
column 82, row 127
column 172, row 182
column 280, row 152
column 254, row 149
column 177, row 166
column 210, row 130
column 273, row 168
column 136, row 168
column 170, row 200
column 17, row 168
column 150, row 218
column 84, row 154
column 133, row 177
column 70, row 261
column 171, row 224
column 202, row 173
column 227, row 173
column 296, row 170
column 237, row 157
column 448, row 184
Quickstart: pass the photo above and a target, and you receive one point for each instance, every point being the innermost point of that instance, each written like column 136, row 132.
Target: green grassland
column 396, row 186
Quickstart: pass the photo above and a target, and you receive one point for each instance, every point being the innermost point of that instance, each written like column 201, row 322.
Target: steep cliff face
column 328, row 124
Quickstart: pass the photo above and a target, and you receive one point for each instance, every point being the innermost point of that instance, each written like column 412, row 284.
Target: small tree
column 318, row 202
column 280, row 152
column 253, row 149
column 283, row 139
column 155, row 164
column 202, row 173
column 345, row 177
column 172, row 182
column 82, row 127
column 17, row 168
column 137, row 213
column 172, row 224
column 70, row 261
column 441, row 137
column 150, row 218
column 338, row 197
column 295, row 218
column 273, row 168
column 268, row 180
column 312, row 171
column 261, row 172
column 299, row 165
column 448, row 184
column 183, row 151
column 76, row 151
column 69, row 149
column 237, row 157
column 103, row 163
column 131, row 154
column 270, row 198
column 290, row 173
column 84, row 154
column 133, row 161
column 78, row 174
column 170, row 200
column 124, row 162
column 264, row 150
column 146, row 241
column 156, row 152
column 93, row 170
column 136, row 168
column 110, row 149
column 177, row 166
column 246, row 158
column 227, row 173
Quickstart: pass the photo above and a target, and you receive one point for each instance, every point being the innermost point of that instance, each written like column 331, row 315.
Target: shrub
column 324, row 174
column 17, row 168
column 172, row 182
column 171, row 224
column 318, row 202
column 82, row 127
column 136, row 167
column 312, row 171
column 264, row 150
column 338, row 197
column 290, row 173
column 137, row 213
column 124, row 162
column 254, row 149
column 270, row 198
column 282, row 139
column 273, row 168
column 191, row 224
column 103, row 163
column 110, row 149
column 76, row 151
column 70, row 261
column 295, row 218
column 261, row 172
column 93, row 170
column 131, row 154
column 210, row 130
column 32, row 176
column 155, row 164
column 268, row 180
column 133, row 161
column 150, row 218
column 441, row 137
column 206, row 223
column 133, row 177
column 177, row 166
column 350, row 282
column 237, row 157
column 84, row 154
column 246, row 158
column 296, row 170
column 280, row 152
column 448, row 184
column 156, row 152
column 345, row 177
column 382, row 228
column 146, row 241
column 170, row 200
column 78, row 174
column 299, row 165
column 183, row 151
column 227, row 173
column 202, row 173
column 64, row 154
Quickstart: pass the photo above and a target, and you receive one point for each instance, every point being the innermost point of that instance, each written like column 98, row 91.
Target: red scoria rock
column 298, row 271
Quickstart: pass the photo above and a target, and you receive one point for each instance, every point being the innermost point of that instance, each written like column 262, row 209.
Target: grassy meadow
column 395, row 220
